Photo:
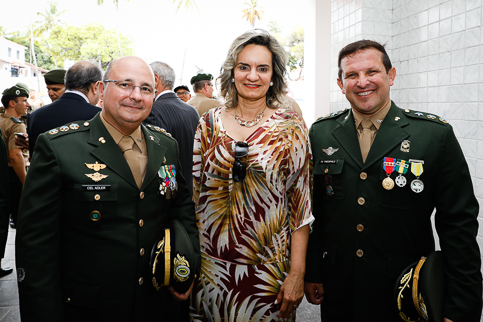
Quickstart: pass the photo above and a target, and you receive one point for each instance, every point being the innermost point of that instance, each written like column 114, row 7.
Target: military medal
column 389, row 166
column 329, row 190
column 168, row 186
column 417, row 169
column 402, row 167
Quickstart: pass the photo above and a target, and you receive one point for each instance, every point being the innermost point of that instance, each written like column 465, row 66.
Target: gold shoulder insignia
column 96, row 166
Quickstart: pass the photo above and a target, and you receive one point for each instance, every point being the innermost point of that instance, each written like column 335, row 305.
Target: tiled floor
column 9, row 298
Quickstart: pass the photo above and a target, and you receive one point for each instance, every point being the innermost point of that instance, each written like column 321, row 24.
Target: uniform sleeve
column 457, row 227
column 184, row 212
column 298, row 183
column 37, row 245
column 16, row 128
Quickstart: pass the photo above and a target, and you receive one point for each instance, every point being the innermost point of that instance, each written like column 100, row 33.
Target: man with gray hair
column 76, row 104
column 175, row 116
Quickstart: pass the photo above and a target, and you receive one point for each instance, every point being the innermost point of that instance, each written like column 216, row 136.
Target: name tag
column 96, row 187
column 329, row 161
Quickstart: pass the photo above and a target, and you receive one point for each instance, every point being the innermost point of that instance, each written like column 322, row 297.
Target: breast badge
column 405, row 145
column 330, row 150
column 96, row 166
column 96, row 176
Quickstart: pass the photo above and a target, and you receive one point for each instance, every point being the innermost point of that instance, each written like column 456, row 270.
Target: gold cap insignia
column 95, row 166
column 96, row 176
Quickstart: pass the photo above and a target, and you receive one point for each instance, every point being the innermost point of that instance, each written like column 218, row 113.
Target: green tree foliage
column 51, row 18
column 295, row 45
column 87, row 42
column 44, row 59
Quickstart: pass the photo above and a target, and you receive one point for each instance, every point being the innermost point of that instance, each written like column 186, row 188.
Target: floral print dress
column 245, row 227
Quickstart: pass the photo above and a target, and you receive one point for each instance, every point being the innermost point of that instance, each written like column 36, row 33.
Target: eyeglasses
column 129, row 87
column 182, row 93
column 240, row 168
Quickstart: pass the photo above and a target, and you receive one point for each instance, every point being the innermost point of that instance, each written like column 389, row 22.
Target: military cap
column 182, row 87
column 173, row 259
column 24, row 86
column 55, row 76
column 420, row 290
column 17, row 91
column 200, row 77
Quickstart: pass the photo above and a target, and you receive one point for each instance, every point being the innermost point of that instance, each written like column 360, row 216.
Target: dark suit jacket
column 180, row 120
column 392, row 228
column 4, row 197
column 75, row 268
column 69, row 107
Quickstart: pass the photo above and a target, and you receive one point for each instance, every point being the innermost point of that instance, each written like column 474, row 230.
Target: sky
column 186, row 40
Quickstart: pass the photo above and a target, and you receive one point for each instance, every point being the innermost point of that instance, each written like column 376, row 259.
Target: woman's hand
column 291, row 294
column 182, row 297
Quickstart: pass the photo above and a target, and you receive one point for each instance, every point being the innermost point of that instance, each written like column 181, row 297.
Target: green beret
column 16, row 91
column 201, row 77
column 55, row 76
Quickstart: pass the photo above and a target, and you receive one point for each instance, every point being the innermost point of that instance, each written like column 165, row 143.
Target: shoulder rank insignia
column 95, row 166
column 74, row 126
column 53, row 131
column 64, row 128
column 15, row 120
column 96, row 176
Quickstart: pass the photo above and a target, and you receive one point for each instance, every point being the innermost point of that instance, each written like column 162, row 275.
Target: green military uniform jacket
column 364, row 235
column 83, row 247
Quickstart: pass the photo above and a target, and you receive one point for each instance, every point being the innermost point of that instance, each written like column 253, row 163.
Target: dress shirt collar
column 163, row 92
column 137, row 135
column 78, row 93
column 376, row 119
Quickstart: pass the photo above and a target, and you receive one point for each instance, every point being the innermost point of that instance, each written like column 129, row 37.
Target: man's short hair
column 81, row 76
column 7, row 98
column 354, row 47
column 199, row 85
column 165, row 72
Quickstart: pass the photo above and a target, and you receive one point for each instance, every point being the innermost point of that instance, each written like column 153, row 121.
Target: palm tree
column 253, row 12
column 51, row 19
column 116, row 3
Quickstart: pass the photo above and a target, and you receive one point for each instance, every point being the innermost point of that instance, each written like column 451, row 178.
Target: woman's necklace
column 252, row 122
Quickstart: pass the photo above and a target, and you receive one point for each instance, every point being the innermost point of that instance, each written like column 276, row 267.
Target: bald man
column 91, row 213
column 76, row 104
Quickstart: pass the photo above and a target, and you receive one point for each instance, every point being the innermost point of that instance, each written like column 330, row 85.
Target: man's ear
column 96, row 87
column 156, row 80
column 341, row 85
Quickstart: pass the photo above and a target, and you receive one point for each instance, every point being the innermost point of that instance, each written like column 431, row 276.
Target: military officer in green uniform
column 94, row 203
column 14, row 100
column 379, row 173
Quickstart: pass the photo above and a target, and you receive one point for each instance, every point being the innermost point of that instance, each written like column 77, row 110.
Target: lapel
column 390, row 134
column 156, row 154
column 109, row 153
column 345, row 133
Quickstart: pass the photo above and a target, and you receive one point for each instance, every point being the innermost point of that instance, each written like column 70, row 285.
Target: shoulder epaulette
column 332, row 115
column 158, row 129
column 425, row 116
column 68, row 128
column 15, row 120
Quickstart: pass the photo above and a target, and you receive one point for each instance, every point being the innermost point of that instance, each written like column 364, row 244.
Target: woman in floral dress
column 252, row 191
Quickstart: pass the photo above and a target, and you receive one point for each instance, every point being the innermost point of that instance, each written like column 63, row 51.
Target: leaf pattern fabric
column 245, row 226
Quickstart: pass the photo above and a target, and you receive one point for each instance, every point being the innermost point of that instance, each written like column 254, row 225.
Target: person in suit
column 203, row 87
column 76, row 104
column 54, row 80
column 176, row 117
column 183, row 93
column 4, row 206
column 91, row 213
column 379, row 173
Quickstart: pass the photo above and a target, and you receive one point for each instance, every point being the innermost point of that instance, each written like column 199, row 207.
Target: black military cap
column 420, row 290
column 200, row 77
column 17, row 90
column 55, row 76
column 173, row 259
column 181, row 87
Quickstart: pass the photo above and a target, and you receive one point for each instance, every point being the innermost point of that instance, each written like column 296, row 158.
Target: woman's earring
column 232, row 80
column 271, row 83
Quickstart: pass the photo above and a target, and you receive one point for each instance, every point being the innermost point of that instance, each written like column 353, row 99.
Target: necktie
column 126, row 144
column 366, row 138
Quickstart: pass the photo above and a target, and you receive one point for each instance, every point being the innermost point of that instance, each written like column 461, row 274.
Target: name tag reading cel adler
column 96, row 187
